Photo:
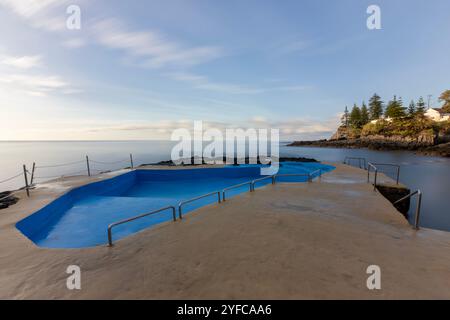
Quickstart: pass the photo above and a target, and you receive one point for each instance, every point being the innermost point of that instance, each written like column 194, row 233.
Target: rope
column 60, row 165
column 61, row 175
column 12, row 178
column 114, row 162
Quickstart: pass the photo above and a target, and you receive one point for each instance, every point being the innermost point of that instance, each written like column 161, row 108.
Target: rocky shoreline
column 246, row 161
column 441, row 150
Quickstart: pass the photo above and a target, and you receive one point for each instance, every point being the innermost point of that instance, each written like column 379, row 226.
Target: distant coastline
column 393, row 127
column 440, row 150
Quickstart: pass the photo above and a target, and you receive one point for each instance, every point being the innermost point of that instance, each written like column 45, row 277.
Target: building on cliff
column 437, row 114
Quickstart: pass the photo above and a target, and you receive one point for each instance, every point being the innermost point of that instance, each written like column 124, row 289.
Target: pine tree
column 345, row 117
column 364, row 114
column 395, row 109
column 355, row 117
column 420, row 107
column 375, row 107
column 412, row 108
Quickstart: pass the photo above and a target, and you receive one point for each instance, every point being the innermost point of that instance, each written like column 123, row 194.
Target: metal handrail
column 370, row 165
column 390, row 165
column 138, row 217
column 418, row 206
column 356, row 158
column 294, row 175
column 236, row 186
column 311, row 174
column 252, row 184
column 194, row 199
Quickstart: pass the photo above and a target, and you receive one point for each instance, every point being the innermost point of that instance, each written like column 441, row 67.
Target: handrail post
column 375, row 181
column 418, row 205
column 110, row 236
column 398, row 174
column 26, row 180
column 180, row 216
column 131, row 161
column 88, row 168
column 32, row 173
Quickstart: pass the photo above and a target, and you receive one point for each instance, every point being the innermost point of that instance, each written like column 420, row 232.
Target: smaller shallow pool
column 80, row 218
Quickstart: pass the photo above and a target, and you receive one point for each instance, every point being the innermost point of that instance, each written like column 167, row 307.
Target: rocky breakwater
column 426, row 142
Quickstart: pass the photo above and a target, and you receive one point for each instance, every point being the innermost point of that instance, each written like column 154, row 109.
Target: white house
column 388, row 119
column 437, row 115
column 434, row 114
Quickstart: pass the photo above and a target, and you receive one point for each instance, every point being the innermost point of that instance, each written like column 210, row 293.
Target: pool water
column 80, row 218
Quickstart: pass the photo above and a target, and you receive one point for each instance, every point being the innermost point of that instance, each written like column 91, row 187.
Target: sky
column 137, row 70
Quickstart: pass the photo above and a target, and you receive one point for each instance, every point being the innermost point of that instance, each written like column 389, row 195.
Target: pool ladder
column 251, row 185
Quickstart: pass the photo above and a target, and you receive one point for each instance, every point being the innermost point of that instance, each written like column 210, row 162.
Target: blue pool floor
column 85, row 222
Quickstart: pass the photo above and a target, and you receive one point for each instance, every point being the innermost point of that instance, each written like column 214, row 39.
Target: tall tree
column 355, row 117
column 375, row 107
column 412, row 108
column 345, row 117
column 364, row 114
column 395, row 109
column 445, row 97
column 420, row 107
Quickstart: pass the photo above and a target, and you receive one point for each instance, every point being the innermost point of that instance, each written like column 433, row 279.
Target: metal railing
column 390, row 165
column 249, row 183
column 219, row 200
column 311, row 174
column 418, row 206
column 112, row 225
column 374, row 166
column 182, row 203
column 294, row 175
column 360, row 161
column 370, row 165
column 253, row 182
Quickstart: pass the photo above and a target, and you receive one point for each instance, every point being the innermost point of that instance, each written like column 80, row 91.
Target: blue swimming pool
column 80, row 217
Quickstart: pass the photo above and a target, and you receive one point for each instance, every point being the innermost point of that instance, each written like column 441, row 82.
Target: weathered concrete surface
column 310, row 240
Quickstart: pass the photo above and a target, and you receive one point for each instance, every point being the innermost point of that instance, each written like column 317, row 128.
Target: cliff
column 425, row 137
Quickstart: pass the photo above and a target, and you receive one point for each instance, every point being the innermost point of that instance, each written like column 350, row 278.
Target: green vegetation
column 445, row 98
column 375, row 107
column 394, row 119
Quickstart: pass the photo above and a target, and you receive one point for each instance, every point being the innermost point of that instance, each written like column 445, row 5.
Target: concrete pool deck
column 285, row 241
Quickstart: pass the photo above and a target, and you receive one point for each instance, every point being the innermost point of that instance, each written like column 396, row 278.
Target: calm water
column 430, row 174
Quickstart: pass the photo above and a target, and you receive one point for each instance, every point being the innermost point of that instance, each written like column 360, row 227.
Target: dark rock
column 394, row 193
column 5, row 203
column 235, row 162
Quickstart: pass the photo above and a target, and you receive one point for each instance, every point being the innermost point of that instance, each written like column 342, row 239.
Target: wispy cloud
column 21, row 62
column 203, row 83
column 299, row 128
column 152, row 48
column 74, row 43
column 38, row 13
column 35, row 85
column 18, row 75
